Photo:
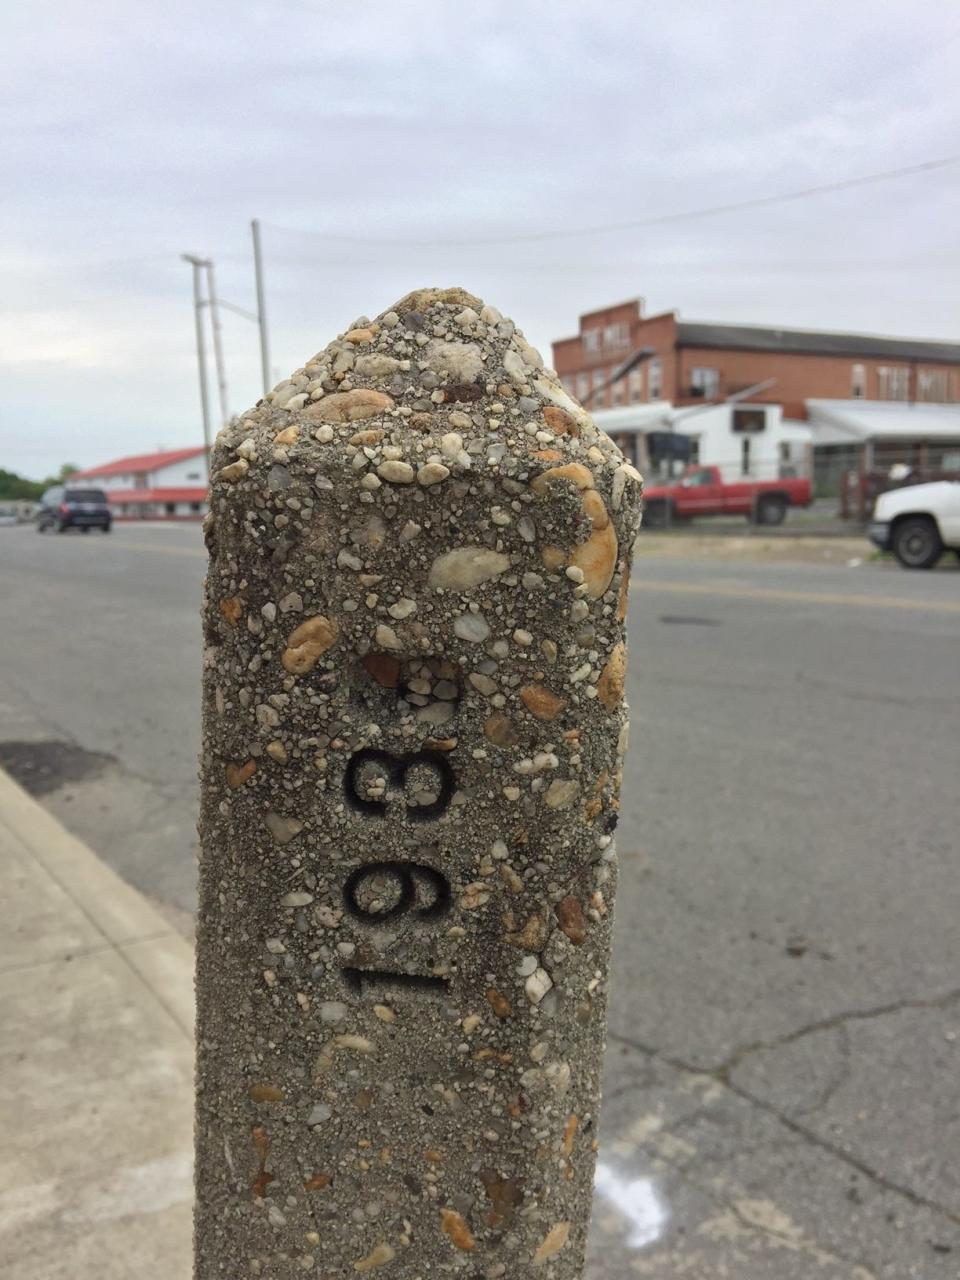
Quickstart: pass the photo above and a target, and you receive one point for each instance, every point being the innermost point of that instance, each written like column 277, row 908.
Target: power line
column 658, row 220
column 762, row 266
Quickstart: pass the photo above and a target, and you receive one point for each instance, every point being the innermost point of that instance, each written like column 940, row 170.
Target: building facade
column 691, row 362
column 858, row 444
column 171, row 484
column 746, row 442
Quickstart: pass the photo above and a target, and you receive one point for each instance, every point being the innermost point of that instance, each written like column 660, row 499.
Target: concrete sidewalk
column 96, row 1065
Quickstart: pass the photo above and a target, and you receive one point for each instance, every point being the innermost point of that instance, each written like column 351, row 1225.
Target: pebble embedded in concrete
column 413, row 737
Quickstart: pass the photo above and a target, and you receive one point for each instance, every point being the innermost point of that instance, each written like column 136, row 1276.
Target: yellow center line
column 798, row 597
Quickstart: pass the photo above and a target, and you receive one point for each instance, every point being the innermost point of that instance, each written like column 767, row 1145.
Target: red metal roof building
column 169, row 484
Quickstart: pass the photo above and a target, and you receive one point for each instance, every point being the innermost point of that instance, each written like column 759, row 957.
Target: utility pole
column 261, row 306
column 217, row 344
column 197, row 264
column 621, row 371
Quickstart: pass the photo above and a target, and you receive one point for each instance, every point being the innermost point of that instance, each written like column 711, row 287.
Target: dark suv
column 64, row 508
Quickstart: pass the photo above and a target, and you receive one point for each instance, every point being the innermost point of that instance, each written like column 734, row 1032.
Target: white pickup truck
column 918, row 523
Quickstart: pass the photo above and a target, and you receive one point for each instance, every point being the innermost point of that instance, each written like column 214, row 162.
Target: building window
column 195, row 507
column 193, row 475
column 170, row 508
column 745, row 444
column 704, row 383
column 858, row 382
column 893, row 382
column 788, row 467
column 591, row 341
column 583, row 386
column 616, row 337
column 599, row 377
column 635, row 385
column 618, row 389
column 933, row 386
column 655, row 379
column 569, row 385
column 748, row 421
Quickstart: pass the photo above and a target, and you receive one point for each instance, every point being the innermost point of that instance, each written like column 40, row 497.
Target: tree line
column 18, row 488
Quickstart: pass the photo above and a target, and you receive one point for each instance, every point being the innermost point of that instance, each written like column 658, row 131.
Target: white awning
column 652, row 416
column 856, row 421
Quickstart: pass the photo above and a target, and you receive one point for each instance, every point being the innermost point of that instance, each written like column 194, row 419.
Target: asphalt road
column 782, row 1095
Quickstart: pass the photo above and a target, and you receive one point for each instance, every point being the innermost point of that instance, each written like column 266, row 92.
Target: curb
column 123, row 916
column 762, row 531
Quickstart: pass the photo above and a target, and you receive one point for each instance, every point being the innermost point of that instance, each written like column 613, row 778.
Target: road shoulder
column 96, row 999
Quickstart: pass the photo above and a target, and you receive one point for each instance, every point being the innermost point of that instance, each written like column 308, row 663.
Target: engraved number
column 397, row 770
column 379, row 891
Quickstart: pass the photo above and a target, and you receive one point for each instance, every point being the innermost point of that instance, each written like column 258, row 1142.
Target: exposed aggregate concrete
column 413, row 738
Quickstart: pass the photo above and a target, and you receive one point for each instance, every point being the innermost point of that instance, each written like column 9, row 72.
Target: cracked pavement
column 781, row 1086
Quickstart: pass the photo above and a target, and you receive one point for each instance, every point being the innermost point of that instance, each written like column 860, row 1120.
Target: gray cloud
column 135, row 132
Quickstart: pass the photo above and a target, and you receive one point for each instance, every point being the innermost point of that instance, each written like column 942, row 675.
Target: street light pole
column 217, row 344
column 261, row 306
column 197, row 264
column 621, row 371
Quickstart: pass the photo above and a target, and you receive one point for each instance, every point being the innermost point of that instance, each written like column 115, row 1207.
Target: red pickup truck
column 702, row 491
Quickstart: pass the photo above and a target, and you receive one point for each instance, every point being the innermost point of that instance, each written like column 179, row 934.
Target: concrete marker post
column 413, row 738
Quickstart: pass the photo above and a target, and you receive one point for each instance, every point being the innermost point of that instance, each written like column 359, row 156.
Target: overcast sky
column 134, row 132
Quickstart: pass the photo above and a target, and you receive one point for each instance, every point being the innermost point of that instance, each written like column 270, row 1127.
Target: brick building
column 696, row 362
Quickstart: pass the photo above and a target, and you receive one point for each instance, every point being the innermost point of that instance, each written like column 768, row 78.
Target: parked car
column 702, row 491
column 63, row 508
column 918, row 523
